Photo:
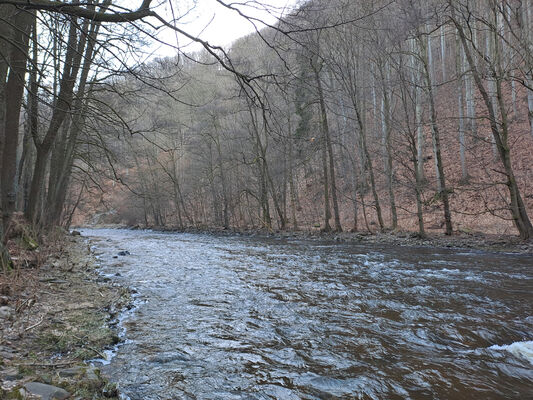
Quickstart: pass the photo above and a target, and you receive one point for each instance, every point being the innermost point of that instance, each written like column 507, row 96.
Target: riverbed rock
column 10, row 374
column 110, row 390
column 47, row 392
column 70, row 372
column 124, row 253
column 6, row 312
column 75, row 233
column 92, row 374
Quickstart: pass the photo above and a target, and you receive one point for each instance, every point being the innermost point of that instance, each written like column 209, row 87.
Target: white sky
column 216, row 24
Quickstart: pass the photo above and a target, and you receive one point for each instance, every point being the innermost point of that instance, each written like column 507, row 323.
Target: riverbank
column 54, row 315
column 459, row 240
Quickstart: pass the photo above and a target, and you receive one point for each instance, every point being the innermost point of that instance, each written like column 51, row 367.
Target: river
column 232, row 317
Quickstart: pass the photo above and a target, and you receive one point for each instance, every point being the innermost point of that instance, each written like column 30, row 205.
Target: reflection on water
column 244, row 318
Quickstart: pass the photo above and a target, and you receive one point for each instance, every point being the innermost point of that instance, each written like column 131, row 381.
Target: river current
column 231, row 317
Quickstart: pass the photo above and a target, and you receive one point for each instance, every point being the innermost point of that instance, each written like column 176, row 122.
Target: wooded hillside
column 368, row 115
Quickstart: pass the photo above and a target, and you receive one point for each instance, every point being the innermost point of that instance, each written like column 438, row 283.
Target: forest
column 387, row 115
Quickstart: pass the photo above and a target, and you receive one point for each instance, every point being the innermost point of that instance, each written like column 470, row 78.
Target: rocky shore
column 459, row 240
column 55, row 316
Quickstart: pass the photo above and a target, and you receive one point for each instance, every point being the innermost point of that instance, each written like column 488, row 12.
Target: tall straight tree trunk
column 327, row 212
column 292, row 188
column 276, row 201
column 31, row 130
column 435, row 136
column 429, row 74
column 355, row 191
column 491, row 84
column 225, row 209
column 369, row 167
column 470, row 103
column 180, row 203
column 260, row 153
column 461, row 107
column 215, row 204
column 443, row 52
column 361, row 134
column 329, row 147
column 420, row 139
column 408, row 95
column 5, row 38
column 11, row 106
column 512, row 74
column 528, row 26
column 386, row 130
column 5, row 42
column 530, row 104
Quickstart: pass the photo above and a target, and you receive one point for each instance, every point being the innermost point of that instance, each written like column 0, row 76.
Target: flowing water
column 256, row 318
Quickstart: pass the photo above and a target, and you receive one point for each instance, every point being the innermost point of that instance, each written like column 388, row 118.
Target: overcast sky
column 216, row 24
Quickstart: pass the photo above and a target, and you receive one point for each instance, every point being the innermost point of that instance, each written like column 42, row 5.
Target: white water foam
column 519, row 349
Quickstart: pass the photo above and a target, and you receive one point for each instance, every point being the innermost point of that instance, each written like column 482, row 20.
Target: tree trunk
column 369, row 167
column 528, row 26
column 260, row 155
column 355, row 191
column 276, row 201
column 435, row 136
column 215, row 203
column 5, row 42
column 443, row 52
column 491, row 85
column 327, row 212
column 420, row 140
column 461, row 107
column 386, row 130
column 14, row 91
column 329, row 148
column 292, row 188
column 225, row 209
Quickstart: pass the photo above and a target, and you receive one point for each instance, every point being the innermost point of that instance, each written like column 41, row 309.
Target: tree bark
column 461, row 107
column 386, row 131
column 292, row 185
column 329, row 147
column 369, row 167
column 14, row 91
column 435, row 136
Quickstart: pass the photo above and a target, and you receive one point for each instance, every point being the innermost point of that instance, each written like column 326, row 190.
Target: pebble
column 10, row 374
column 91, row 373
column 70, row 372
column 5, row 312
